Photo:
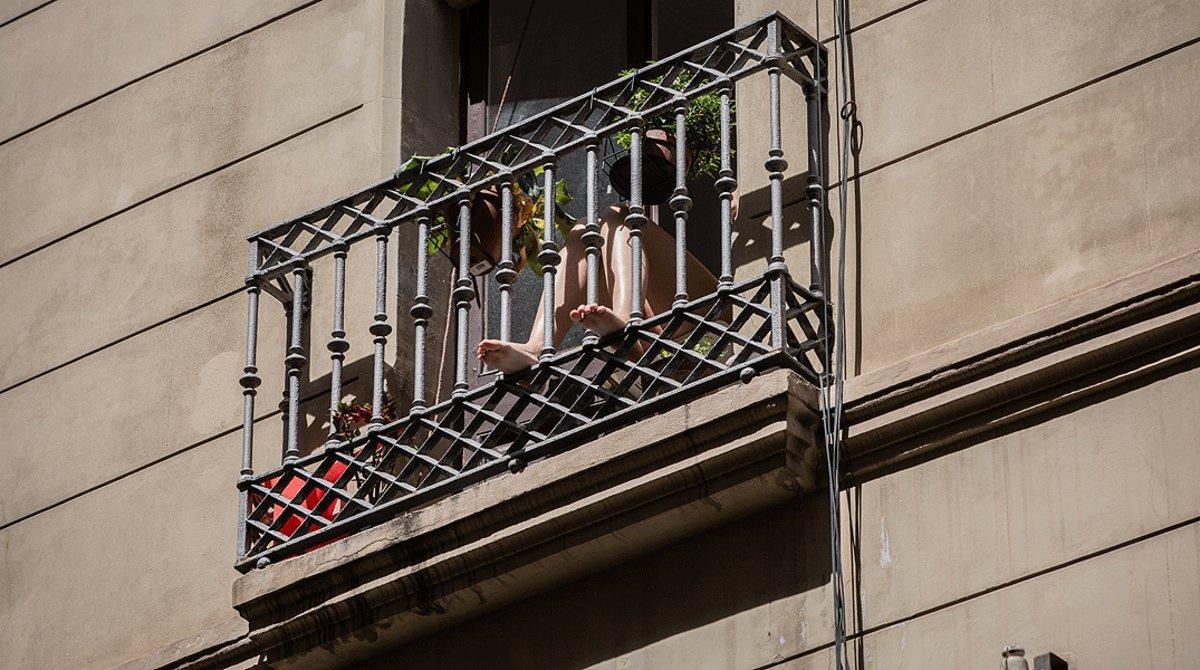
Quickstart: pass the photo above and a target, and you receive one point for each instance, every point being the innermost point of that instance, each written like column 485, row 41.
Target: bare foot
column 507, row 357
column 598, row 319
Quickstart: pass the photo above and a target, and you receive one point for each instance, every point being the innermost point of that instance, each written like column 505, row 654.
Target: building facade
column 1022, row 398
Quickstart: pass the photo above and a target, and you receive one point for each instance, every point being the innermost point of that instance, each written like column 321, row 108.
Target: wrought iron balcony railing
column 700, row 344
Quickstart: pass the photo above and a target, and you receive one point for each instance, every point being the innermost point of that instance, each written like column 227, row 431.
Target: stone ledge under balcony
column 724, row 455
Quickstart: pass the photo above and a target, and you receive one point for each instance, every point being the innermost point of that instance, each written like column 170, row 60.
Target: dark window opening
column 521, row 57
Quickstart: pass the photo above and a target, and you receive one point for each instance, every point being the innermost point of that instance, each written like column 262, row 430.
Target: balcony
column 743, row 330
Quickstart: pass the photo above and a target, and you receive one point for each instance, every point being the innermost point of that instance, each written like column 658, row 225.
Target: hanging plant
column 703, row 124
column 528, row 220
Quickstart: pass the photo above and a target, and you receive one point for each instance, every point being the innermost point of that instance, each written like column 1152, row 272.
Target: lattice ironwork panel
column 431, row 453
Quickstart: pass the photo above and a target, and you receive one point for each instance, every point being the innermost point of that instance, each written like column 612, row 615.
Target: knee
column 615, row 214
column 574, row 239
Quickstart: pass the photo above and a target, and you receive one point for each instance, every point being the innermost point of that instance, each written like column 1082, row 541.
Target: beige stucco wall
column 139, row 144
column 1077, row 533
column 1015, row 154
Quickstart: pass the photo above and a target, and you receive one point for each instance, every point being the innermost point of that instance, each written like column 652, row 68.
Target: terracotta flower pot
column 658, row 168
column 486, row 232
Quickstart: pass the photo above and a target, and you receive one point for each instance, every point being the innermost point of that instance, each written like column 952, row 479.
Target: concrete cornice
column 1113, row 334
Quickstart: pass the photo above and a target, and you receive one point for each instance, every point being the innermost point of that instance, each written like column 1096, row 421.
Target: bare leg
column 658, row 268
column 658, row 288
column 570, row 294
column 569, row 291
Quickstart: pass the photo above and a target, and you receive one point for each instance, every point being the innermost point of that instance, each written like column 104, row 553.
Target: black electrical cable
column 832, row 405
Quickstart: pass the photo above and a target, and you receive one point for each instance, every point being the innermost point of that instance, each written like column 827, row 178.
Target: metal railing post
column 295, row 361
column 635, row 219
column 725, row 185
column 680, row 202
column 380, row 328
column 775, row 165
column 464, row 293
column 249, row 381
column 592, row 239
column 549, row 258
column 338, row 344
column 815, row 186
column 420, row 312
column 506, row 271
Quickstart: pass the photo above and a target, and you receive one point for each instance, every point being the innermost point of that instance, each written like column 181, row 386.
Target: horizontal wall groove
column 162, row 459
column 865, row 24
column 27, row 12
column 158, row 70
column 190, row 180
column 860, row 634
column 1037, row 103
column 1003, row 117
column 108, row 345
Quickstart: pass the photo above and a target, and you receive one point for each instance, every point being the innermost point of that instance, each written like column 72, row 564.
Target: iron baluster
column 775, row 164
column 549, row 258
column 338, row 344
column 380, row 328
column 815, row 186
column 295, row 361
column 421, row 312
column 250, row 381
column 680, row 202
column 635, row 219
column 726, row 184
column 592, row 239
column 464, row 292
column 506, row 272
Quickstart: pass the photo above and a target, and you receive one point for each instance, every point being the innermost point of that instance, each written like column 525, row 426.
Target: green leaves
column 530, row 195
column 703, row 121
column 529, row 201
column 414, row 176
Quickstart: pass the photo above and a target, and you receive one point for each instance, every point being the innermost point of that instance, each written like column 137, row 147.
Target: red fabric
column 310, row 502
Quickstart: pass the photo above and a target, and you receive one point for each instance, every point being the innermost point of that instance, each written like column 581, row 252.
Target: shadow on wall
column 751, row 247
column 779, row 557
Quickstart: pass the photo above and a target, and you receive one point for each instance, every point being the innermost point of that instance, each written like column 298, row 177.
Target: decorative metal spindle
column 506, row 271
column 726, row 184
column 815, row 186
column 250, row 382
column 421, row 313
column 338, row 344
column 635, row 219
column 592, row 239
column 680, row 202
column 775, row 164
column 380, row 328
column 295, row 362
column 464, row 292
column 549, row 258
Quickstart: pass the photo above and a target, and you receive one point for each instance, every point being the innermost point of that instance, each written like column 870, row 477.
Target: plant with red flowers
column 351, row 417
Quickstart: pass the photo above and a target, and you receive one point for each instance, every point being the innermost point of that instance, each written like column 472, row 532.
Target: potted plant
column 703, row 124
column 528, row 224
